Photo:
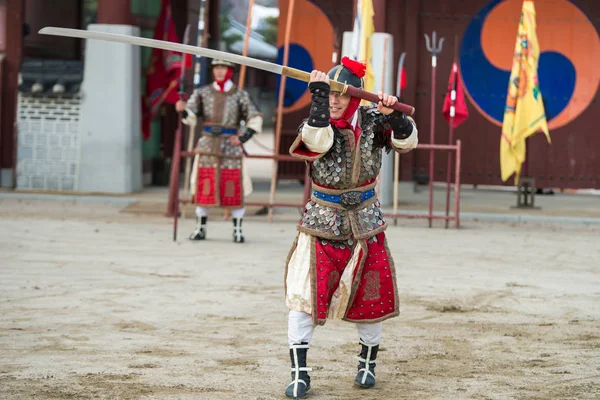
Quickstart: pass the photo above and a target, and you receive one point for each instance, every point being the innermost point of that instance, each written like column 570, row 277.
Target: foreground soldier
column 218, row 179
column 339, row 265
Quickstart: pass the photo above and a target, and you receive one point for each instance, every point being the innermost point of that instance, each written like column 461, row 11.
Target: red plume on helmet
column 356, row 67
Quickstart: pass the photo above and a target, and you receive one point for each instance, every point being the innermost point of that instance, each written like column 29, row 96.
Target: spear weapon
column 434, row 48
column 234, row 58
column 177, row 145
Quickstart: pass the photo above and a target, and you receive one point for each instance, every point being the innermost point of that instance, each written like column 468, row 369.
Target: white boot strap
column 297, row 381
column 365, row 361
column 302, row 369
column 366, row 344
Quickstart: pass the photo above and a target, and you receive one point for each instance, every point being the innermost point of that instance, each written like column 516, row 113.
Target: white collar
column 227, row 87
column 354, row 120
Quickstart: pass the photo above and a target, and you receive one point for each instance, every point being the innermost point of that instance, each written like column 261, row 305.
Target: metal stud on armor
column 335, row 173
column 217, row 179
column 330, row 170
column 224, row 109
column 340, row 265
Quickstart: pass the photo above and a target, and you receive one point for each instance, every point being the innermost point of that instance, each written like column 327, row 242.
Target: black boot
column 300, row 380
column 200, row 231
column 366, row 366
column 237, row 230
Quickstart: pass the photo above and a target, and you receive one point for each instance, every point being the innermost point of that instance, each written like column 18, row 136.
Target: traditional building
column 42, row 140
column 479, row 33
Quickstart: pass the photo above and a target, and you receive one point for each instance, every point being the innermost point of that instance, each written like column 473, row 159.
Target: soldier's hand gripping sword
column 234, row 58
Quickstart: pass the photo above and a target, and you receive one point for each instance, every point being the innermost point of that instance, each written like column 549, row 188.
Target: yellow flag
column 367, row 28
column 524, row 113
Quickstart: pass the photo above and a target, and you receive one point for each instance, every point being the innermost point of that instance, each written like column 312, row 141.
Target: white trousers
column 237, row 213
column 300, row 329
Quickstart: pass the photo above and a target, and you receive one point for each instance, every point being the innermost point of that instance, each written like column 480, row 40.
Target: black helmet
column 349, row 72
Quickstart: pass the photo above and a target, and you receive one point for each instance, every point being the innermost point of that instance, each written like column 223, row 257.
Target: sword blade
column 234, row 58
column 164, row 45
column 186, row 40
column 186, row 34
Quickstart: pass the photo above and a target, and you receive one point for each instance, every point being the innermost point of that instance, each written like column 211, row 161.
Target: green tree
column 90, row 8
column 269, row 32
column 224, row 25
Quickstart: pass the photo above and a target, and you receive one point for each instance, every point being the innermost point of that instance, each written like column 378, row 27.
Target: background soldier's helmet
column 222, row 62
column 350, row 72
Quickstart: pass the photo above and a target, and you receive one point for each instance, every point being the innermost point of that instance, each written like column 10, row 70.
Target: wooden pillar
column 411, row 47
column 379, row 8
column 41, row 13
column 171, row 117
column 11, row 65
column 213, row 25
column 114, row 12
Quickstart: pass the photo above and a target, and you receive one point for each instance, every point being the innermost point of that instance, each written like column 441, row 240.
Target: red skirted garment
column 374, row 294
column 229, row 193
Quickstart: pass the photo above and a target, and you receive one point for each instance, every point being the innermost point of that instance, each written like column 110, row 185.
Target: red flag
column 164, row 69
column 455, row 102
column 403, row 79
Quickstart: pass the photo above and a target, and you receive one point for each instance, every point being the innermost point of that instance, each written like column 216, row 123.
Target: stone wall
column 49, row 142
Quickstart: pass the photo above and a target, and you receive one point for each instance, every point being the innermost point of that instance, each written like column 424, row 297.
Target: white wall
column 382, row 45
column 111, row 143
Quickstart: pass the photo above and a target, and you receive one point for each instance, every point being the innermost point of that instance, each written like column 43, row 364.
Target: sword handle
column 372, row 97
column 343, row 88
column 296, row 74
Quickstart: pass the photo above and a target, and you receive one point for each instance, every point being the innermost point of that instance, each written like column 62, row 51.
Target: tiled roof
column 50, row 76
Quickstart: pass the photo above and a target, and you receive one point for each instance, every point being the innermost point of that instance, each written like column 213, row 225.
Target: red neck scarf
column 228, row 76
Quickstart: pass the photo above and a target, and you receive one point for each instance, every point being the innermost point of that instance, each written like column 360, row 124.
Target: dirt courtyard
column 96, row 303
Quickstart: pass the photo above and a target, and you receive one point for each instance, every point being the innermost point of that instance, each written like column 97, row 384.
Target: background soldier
column 217, row 178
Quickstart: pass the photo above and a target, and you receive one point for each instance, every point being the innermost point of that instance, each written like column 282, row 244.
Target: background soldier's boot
column 200, row 231
column 300, row 379
column 237, row 230
column 366, row 366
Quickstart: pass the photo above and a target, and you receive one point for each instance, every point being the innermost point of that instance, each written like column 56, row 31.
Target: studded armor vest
column 341, row 179
column 225, row 109
column 221, row 110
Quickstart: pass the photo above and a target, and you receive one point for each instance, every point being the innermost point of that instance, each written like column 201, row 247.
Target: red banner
column 454, row 102
column 164, row 69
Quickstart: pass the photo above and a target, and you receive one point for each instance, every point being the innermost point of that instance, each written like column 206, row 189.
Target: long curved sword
column 234, row 58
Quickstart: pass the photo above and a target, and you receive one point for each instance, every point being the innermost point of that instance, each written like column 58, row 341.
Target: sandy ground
column 95, row 303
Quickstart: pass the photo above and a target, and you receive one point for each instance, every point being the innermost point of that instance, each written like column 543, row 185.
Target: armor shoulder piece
column 372, row 119
column 372, row 113
column 205, row 90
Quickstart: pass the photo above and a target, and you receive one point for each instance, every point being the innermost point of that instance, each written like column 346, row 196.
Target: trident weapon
column 177, row 145
column 434, row 49
column 234, row 58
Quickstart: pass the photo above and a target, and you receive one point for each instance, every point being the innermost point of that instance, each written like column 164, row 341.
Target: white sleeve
column 410, row 142
column 190, row 119
column 318, row 140
column 255, row 123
